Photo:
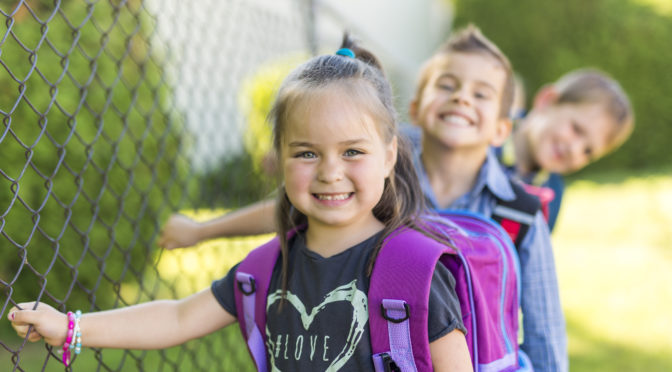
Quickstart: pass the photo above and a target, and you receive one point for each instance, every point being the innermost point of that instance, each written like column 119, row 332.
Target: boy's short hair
column 471, row 40
column 590, row 85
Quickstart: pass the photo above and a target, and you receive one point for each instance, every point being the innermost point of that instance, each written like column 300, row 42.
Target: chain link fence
column 115, row 114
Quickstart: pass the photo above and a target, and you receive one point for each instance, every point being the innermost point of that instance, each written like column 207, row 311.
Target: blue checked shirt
column 545, row 337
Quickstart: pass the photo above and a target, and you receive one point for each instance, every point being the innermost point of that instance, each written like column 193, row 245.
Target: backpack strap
column 399, row 299
column 517, row 215
column 253, row 277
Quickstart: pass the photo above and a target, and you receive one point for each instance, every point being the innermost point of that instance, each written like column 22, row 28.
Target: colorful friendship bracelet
column 73, row 338
column 76, row 346
column 68, row 338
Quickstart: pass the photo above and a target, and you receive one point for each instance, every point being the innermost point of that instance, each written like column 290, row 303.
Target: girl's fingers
column 23, row 317
column 34, row 336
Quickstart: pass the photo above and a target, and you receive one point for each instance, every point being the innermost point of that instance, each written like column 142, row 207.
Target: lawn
column 613, row 248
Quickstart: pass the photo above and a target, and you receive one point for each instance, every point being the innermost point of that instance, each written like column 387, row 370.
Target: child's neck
column 452, row 172
column 328, row 241
column 521, row 144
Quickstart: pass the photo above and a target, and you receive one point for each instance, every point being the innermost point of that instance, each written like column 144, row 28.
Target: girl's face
column 566, row 137
column 460, row 105
column 334, row 160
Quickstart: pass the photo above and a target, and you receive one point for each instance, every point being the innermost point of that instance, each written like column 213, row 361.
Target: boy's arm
column 181, row 231
column 152, row 325
column 450, row 353
column 545, row 337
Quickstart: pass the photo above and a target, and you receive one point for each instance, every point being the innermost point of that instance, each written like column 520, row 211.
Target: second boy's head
column 578, row 119
column 464, row 93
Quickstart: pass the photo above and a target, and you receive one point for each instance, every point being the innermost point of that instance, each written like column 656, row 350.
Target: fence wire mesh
column 115, row 114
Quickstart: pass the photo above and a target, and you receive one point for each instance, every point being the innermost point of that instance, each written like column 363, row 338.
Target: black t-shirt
column 324, row 321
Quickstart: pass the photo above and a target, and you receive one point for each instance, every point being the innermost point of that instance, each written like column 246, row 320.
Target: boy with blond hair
column 574, row 121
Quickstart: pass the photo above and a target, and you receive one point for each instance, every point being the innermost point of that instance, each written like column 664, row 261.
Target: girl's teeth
column 333, row 197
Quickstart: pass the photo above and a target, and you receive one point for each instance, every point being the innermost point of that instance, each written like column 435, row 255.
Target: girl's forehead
column 332, row 108
column 326, row 114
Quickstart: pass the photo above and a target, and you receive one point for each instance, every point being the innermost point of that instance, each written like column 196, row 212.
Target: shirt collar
column 491, row 177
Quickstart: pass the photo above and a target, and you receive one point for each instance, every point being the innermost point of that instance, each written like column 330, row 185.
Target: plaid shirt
column 545, row 337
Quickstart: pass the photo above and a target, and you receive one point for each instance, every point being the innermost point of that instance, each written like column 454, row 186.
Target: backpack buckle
column 394, row 305
column 245, row 280
column 388, row 363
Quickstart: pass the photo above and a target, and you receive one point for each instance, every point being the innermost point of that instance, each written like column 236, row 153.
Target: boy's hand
column 179, row 231
column 46, row 322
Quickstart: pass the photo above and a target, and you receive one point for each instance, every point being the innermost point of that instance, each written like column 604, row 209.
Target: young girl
column 348, row 184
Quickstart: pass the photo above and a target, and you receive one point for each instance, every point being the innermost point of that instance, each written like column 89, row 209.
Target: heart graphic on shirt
column 360, row 317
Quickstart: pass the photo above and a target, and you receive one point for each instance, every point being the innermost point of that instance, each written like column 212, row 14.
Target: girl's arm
column 181, row 231
column 450, row 353
column 152, row 325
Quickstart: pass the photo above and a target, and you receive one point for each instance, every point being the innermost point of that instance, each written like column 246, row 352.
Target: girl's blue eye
column 306, row 155
column 352, row 152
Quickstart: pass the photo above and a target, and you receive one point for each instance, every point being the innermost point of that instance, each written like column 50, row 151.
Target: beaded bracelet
column 76, row 346
column 68, row 338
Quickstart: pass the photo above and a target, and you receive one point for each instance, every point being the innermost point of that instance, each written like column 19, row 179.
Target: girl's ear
column 546, row 96
column 391, row 156
column 504, row 126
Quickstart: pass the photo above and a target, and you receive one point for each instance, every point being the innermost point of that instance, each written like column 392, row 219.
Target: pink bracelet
column 68, row 338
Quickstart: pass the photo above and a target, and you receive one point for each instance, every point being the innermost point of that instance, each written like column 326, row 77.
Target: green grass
column 612, row 247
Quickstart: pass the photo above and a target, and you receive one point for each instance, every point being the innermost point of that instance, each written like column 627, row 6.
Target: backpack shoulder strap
column 253, row 277
column 517, row 215
column 399, row 299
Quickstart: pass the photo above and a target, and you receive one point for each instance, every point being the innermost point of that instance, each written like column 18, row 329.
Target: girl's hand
column 46, row 322
column 179, row 231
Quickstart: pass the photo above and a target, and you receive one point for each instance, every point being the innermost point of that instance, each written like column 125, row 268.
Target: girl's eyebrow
column 346, row 143
column 299, row 144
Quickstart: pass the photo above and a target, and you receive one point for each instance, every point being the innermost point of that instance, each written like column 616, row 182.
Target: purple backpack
column 485, row 268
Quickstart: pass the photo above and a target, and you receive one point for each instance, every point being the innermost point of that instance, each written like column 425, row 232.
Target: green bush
column 90, row 148
column 628, row 39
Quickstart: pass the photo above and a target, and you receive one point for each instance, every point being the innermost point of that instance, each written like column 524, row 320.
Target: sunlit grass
column 660, row 6
column 613, row 247
column 192, row 269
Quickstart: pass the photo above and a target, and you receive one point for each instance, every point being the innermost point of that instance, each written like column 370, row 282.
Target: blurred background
column 117, row 113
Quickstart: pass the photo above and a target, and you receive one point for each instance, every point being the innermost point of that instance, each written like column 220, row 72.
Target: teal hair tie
column 345, row 52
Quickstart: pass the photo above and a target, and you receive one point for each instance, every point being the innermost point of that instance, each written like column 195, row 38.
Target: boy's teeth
column 457, row 120
column 333, row 197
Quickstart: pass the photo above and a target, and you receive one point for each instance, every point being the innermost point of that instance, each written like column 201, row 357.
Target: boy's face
column 461, row 103
column 564, row 138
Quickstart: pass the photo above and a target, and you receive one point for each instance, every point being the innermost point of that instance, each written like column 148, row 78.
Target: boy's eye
column 351, row 153
column 447, row 87
column 481, row 95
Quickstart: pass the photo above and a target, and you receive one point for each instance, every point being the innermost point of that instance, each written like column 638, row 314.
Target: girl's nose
column 329, row 171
